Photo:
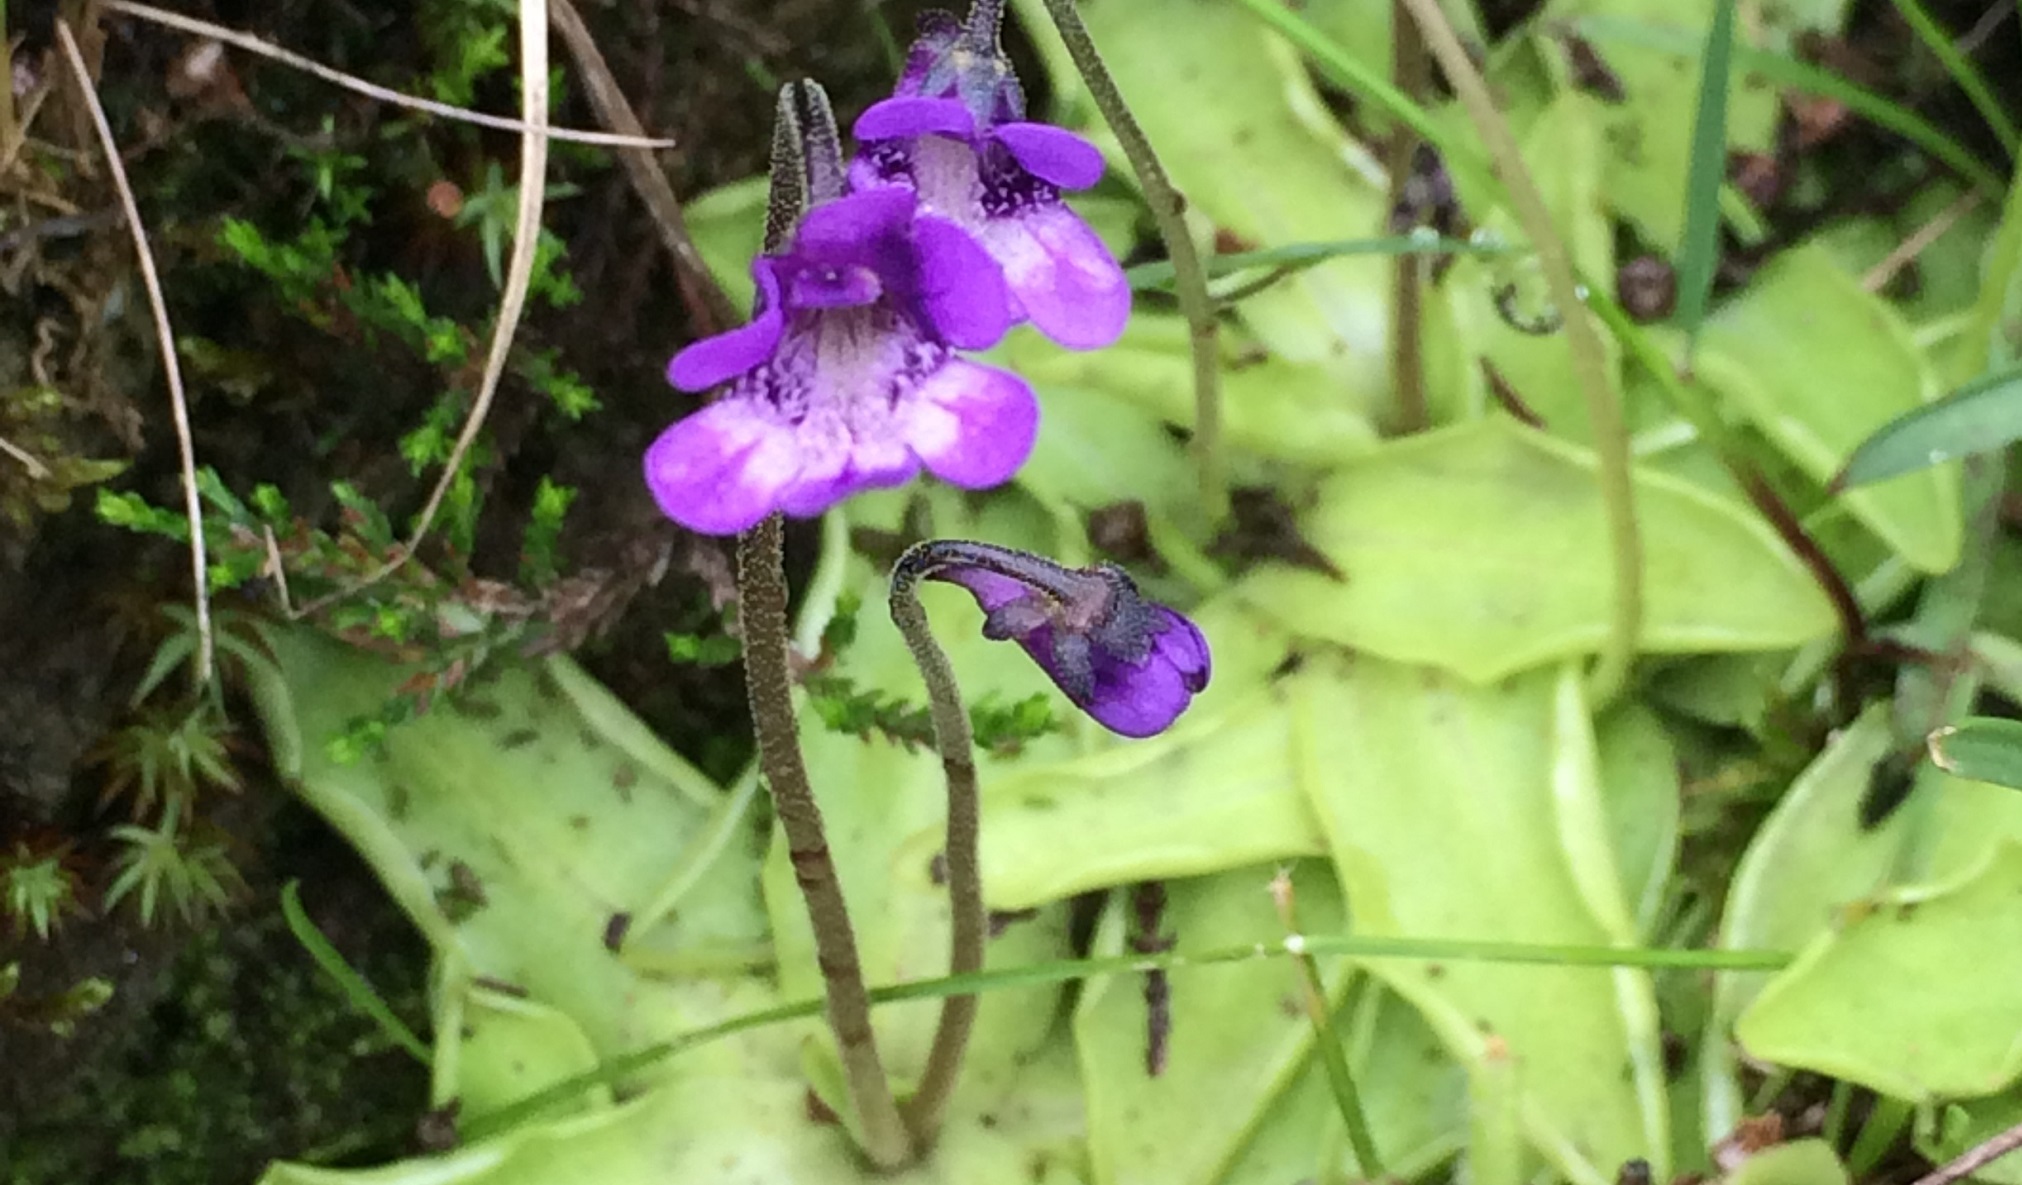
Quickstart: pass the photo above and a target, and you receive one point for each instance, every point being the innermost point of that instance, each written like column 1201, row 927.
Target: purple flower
column 847, row 378
column 1132, row 664
column 956, row 135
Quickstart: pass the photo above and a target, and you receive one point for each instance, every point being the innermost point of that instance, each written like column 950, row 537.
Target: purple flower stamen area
column 848, row 378
column 1001, row 180
column 1132, row 664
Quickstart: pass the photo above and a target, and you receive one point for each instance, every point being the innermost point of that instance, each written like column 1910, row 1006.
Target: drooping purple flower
column 955, row 133
column 847, row 377
column 1132, row 664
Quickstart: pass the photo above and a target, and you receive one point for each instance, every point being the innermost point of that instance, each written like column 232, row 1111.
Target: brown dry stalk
column 164, row 335
column 254, row 45
column 709, row 307
column 512, row 302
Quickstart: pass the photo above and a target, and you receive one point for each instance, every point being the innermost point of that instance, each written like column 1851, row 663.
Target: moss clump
column 250, row 1055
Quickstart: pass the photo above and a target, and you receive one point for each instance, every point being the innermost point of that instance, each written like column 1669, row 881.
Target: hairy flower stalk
column 805, row 165
column 968, row 924
column 1190, row 281
column 1131, row 664
column 946, row 229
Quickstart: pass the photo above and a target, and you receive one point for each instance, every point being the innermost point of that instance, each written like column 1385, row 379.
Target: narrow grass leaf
column 1699, row 253
column 1982, row 748
column 353, row 985
column 1292, row 256
column 1976, row 418
column 1961, row 68
column 617, row 1069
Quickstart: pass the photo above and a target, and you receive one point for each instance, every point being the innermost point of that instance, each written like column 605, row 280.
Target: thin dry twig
column 278, row 570
column 151, row 280
column 1881, row 273
column 708, row 306
column 36, row 469
column 25, row 119
column 518, row 279
column 252, row 44
column 1976, row 1158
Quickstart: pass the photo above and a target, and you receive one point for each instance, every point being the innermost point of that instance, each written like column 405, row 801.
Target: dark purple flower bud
column 965, row 60
column 847, row 377
column 1132, row 664
column 955, row 133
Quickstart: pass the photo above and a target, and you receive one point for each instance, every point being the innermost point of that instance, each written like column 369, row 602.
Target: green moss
column 250, row 1055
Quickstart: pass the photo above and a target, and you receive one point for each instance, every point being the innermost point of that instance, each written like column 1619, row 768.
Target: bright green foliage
column 1480, row 549
column 468, row 39
column 190, row 872
column 492, row 210
column 537, row 547
column 135, row 513
column 38, row 889
column 165, row 758
column 1800, row 1162
column 1499, row 789
column 710, row 650
column 1984, row 749
column 1960, row 1126
column 1260, row 124
column 1886, row 1002
column 1818, row 364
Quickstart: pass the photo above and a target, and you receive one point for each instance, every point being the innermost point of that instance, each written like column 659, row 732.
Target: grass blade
column 1699, row 253
column 1063, row 971
column 1158, row 273
column 1962, row 70
column 1983, row 415
column 354, row 985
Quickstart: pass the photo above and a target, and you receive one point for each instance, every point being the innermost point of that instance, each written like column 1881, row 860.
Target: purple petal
column 717, row 359
column 1132, row 700
column 900, row 118
column 1064, row 278
column 1054, row 155
column 722, row 469
column 839, row 458
column 874, row 170
column 947, row 175
column 846, row 230
column 1179, row 641
column 972, row 424
column 1138, row 701
column 834, row 288
column 961, row 287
